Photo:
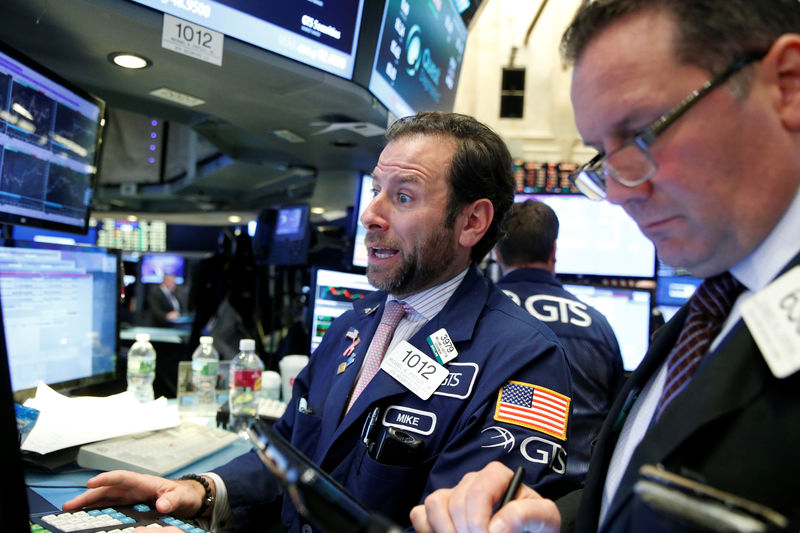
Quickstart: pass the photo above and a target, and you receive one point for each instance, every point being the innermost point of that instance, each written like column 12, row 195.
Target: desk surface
column 71, row 475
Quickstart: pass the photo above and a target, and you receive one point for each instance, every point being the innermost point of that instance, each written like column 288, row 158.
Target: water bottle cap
column 247, row 345
column 206, row 340
column 142, row 337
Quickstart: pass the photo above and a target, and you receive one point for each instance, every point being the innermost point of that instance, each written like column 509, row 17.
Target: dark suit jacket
column 159, row 305
column 735, row 427
column 496, row 342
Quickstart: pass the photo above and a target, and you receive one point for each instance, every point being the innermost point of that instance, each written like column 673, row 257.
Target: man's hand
column 467, row 507
column 119, row 487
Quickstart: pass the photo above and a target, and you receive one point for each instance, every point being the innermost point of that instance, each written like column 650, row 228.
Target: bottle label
column 248, row 379
column 205, row 368
column 141, row 366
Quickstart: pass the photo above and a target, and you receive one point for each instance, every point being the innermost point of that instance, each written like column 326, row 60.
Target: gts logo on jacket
column 554, row 309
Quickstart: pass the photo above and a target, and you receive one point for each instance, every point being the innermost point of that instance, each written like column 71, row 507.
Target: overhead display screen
column 419, row 56
column 50, row 134
column 319, row 33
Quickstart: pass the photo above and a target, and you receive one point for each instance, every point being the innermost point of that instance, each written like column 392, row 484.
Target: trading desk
column 71, row 475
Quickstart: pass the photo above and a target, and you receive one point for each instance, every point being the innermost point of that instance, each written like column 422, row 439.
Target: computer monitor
column 32, row 233
column 674, row 287
column 50, row 134
column 59, row 307
column 418, row 57
column 291, row 235
column 597, row 238
column 363, row 198
column 321, row 34
column 333, row 293
column 628, row 312
column 154, row 266
column 14, row 503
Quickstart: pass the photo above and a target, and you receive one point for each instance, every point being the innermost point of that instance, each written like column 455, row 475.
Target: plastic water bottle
column 205, row 365
column 141, row 368
column 245, row 385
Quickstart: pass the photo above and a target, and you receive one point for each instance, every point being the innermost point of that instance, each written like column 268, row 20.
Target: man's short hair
column 531, row 232
column 481, row 167
column 711, row 34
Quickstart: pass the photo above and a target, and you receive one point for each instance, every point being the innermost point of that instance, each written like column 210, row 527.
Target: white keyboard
column 270, row 408
column 155, row 452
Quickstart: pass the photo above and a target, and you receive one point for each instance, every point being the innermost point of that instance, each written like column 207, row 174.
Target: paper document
column 64, row 421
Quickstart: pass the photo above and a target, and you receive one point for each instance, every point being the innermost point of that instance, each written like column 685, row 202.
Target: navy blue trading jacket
column 459, row 424
column 592, row 353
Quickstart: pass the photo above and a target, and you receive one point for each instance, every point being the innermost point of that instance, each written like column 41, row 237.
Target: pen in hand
column 513, row 487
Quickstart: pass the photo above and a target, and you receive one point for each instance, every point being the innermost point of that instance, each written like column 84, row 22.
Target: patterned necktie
column 394, row 312
column 708, row 308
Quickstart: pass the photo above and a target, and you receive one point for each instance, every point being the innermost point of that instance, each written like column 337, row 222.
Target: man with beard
column 467, row 375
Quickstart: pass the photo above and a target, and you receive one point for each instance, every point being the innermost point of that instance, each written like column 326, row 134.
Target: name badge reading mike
column 418, row 372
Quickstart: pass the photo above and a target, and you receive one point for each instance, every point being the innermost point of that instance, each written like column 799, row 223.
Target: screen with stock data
column 59, row 310
column 49, row 142
column 334, row 293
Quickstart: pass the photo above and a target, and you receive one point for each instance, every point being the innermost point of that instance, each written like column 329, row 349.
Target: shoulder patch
column 533, row 407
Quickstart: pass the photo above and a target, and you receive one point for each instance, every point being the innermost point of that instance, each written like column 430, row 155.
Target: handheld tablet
column 316, row 495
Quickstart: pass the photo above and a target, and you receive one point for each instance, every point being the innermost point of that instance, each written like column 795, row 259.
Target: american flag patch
column 533, row 407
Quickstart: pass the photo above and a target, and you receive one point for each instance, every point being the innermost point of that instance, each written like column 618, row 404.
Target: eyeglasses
column 632, row 164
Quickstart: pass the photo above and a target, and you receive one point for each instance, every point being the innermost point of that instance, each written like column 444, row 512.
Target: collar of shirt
column 759, row 268
column 754, row 272
column 426, row 304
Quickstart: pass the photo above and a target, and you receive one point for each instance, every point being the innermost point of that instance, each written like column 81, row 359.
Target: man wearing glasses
column 706, row 430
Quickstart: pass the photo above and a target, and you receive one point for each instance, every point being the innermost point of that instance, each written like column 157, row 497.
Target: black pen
column 513, row 487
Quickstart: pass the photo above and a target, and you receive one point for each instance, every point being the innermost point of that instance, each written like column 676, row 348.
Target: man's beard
column 420, row 267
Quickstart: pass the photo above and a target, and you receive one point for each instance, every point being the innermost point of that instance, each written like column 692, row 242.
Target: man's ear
column 473, row 222
column 784, row 56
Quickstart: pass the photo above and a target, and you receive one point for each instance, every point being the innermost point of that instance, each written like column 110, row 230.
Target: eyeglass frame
column 594, row 169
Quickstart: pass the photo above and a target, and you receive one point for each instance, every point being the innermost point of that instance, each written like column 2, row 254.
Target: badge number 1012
column 420, row 373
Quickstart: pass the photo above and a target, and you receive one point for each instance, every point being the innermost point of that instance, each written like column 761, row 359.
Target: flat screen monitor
column 363, row 198
column 49, row 144
column 674, row 286
column 418, row 57
column 59, row 307
column 628, row 312
column 597, row 238
column 14, row 503
column 322, row 34
column 154, row 266
column 291, row 235
column 334, row 293
column 32, row 233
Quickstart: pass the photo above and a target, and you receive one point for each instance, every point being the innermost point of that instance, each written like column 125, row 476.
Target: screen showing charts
column 334, row 293
column 322, row 34
column 628, row 312
column 419, row 55
column 59, row 310
column 597, row 238
column 49, row 139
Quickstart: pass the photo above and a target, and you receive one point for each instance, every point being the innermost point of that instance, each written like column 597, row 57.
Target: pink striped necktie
column 392, row 315
column 708, row 308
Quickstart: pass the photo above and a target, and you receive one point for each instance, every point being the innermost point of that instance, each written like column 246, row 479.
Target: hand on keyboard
column 177, row 498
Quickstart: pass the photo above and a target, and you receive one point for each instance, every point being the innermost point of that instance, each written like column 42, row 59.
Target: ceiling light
column 233, row 219
column 317, row 210
column 126, row 60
